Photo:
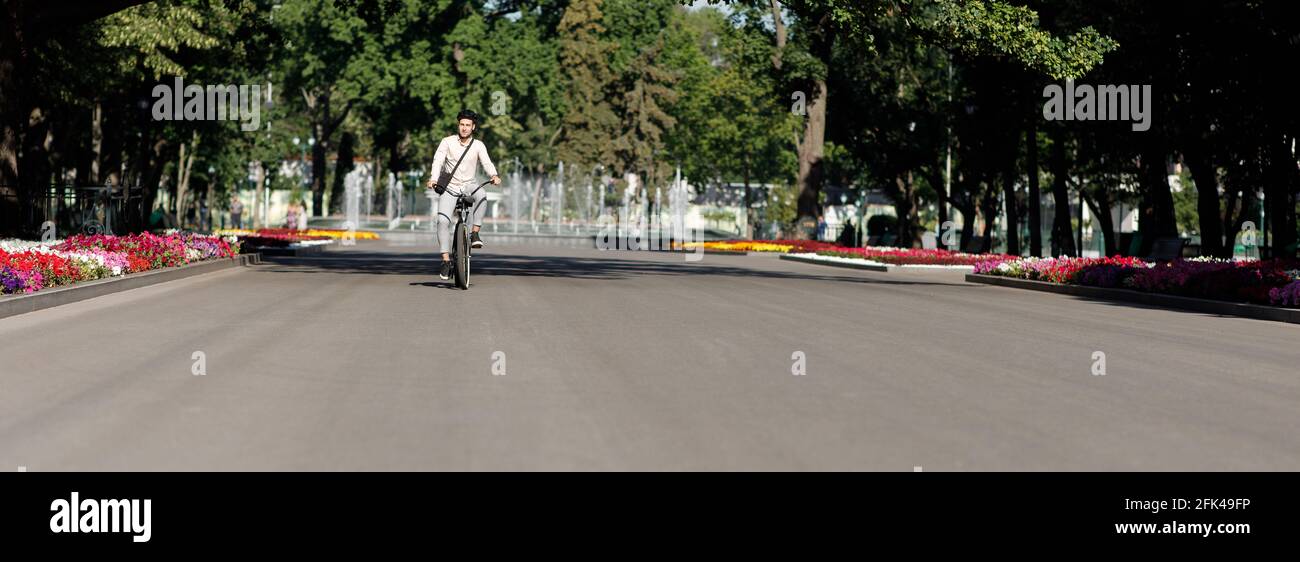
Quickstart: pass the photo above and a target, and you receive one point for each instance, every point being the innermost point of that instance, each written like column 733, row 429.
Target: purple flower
column 9, row 281
column 1286, row 296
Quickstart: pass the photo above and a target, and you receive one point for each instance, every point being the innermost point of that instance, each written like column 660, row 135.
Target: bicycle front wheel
column 462, row 256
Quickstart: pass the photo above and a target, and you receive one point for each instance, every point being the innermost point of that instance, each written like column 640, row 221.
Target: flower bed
column 913, row 256
column 885, row 255
column 297, row 235
column 781, row 246
column 1275, row 282
column 27, row 267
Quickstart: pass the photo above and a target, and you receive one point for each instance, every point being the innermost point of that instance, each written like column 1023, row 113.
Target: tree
column 325, row 40
column 53, row 57
column 991, row 27
column 647, row 87
column 411, row 92
column 590, row 125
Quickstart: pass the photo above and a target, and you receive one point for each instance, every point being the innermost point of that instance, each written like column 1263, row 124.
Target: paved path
column 362, row 360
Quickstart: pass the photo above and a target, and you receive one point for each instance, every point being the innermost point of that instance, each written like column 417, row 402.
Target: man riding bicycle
column 454, row 166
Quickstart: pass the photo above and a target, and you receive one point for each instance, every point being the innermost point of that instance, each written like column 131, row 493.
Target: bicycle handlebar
column 463, row 194
column 480, row 186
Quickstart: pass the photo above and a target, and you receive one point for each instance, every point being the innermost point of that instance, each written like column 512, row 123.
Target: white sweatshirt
column 449, row 151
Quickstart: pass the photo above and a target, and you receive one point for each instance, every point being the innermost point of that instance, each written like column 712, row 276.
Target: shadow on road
column 505, row 265
column 439, row 284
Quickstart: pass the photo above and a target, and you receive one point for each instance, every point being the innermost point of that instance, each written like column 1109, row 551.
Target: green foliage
column 999, row 27
column 154, row 32
column 647, row 89
column 1186, row 215
column 731, row 125
column 590, row 124
column 781, row 207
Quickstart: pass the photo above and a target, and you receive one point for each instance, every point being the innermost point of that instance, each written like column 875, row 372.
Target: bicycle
column 460, row 253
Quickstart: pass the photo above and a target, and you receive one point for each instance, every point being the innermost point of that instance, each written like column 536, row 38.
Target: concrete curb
column 301, row 251
column 879, row 266
column 13, row 305
column 1205, row 306
column 864, row 266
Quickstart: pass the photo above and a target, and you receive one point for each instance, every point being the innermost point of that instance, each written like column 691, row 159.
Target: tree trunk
column 209, row 199
column 1100, row 206
column 318, row 171
column 968, row 217
column 1204, row 175
column 114, row 142
column 779, row 26
column 811, row 148
column 35, row 165
column 1013, row 206
column 905, row 208
column 1248, row 210
column 1062, row 235
column 96, row 142
column 1229, row 224
column 537, row 192
column 180, row 186
column 342, row 167
column 323, row 126
column 937, row 180
column 152, row 177
column 1155, row 180
column 1280, row 189
column 989, row 208
column 1035, row 207
column 810, row 152
column 183, row 166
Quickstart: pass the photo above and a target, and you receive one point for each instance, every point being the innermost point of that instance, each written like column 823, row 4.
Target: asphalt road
column 361, row 359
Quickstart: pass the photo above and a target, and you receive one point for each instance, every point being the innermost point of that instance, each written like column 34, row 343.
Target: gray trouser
column 447, row 213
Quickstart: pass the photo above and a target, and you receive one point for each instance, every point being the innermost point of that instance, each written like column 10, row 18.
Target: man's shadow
column 437, row 284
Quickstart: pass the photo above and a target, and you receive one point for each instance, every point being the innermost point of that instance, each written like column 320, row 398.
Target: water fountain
column 516, row 186
column 394, row 206
column 370, row 199
column 557, row 199
column 627, row 201
column 352, row 186
column 656, row 219
column 677, row 199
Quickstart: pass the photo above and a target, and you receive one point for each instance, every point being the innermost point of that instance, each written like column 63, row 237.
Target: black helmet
column 467, row 114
